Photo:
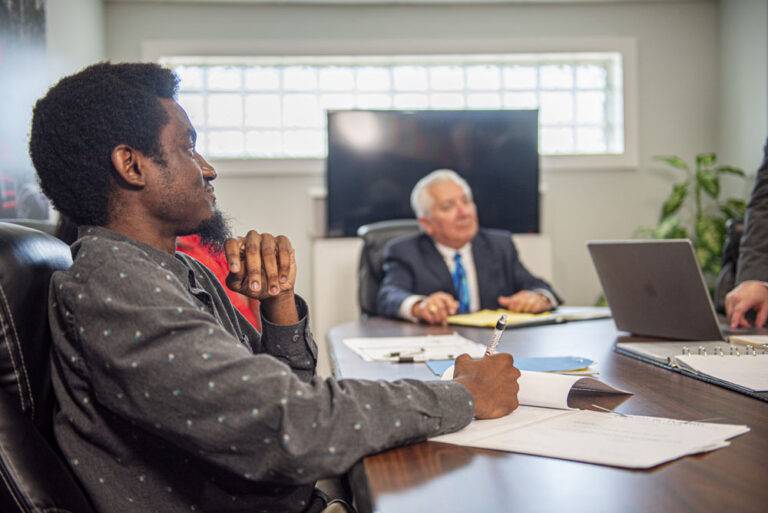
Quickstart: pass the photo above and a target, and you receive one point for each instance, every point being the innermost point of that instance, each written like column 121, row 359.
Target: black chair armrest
column 25, row 457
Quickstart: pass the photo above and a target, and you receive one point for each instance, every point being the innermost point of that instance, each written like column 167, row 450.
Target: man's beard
column 214, row 232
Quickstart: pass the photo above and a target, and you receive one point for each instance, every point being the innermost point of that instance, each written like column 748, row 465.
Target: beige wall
column 75, row 35
column 677, row 89
column 743, row 123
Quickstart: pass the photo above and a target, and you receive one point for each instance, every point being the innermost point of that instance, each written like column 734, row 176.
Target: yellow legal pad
column 488, row 318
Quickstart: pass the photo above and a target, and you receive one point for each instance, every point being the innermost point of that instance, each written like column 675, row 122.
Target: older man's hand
column 526, row 301
column 435, row 308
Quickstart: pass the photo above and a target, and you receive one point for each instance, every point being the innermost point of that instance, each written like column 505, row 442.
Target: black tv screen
column 376, row 157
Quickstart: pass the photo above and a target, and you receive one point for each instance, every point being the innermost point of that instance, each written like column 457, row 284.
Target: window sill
column 316, row 167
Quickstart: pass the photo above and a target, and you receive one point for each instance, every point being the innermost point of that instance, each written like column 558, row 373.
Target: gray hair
column 421, row 201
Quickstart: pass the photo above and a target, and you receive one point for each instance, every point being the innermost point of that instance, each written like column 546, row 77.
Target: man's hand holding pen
column 492, row 380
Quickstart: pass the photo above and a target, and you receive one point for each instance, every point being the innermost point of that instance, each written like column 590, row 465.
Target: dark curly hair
column 81, row 119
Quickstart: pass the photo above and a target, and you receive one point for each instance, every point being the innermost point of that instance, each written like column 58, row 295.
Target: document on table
column 553, row 390
column 488, row 318
column 602, row 438
column 430, row 347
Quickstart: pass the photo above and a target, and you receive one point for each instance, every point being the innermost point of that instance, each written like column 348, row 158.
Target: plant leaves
column 710, row 262
column 673, row 160
column 644, row 232
column 710, row 234
column 730, row 170
column 670, row 228
column 703, row 255
column 675, row 200
column 734, row 208
column 705, row 160
column 710, row 182
column 679, row 233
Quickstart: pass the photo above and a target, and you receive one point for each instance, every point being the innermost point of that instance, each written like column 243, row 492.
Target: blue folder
column 537, row 363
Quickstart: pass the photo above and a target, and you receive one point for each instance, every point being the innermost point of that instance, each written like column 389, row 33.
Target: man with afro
column 169, row 400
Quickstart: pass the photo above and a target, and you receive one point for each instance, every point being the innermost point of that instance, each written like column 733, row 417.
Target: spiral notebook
column 737, row 368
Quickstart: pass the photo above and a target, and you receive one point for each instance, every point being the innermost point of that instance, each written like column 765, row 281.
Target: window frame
column 154, row 50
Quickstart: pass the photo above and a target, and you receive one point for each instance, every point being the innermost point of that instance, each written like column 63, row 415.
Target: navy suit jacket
column 413, row 265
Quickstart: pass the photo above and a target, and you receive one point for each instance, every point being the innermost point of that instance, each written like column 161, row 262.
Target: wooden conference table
column 441, row 478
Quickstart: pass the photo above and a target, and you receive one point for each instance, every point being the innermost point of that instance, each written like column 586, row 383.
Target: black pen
column 420, row 358
column 406, row 353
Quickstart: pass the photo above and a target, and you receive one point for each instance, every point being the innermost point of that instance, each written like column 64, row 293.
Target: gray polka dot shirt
column 171, row 401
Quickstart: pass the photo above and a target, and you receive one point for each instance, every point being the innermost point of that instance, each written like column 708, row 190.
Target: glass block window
column 262, row 107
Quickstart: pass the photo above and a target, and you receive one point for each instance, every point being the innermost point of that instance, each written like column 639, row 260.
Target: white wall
column 74, row 38
column 75, row 35
column 743, row 84
column 677, row 87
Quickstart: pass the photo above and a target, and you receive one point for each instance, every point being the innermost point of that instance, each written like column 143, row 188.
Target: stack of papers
column 602, row 438
column 414, row 349
column 544, row 425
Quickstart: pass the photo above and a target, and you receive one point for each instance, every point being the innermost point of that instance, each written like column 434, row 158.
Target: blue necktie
column 460, row 284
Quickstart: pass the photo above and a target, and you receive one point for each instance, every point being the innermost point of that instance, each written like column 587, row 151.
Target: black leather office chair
column 726, row 279
column 33, row 475
column 370, row 273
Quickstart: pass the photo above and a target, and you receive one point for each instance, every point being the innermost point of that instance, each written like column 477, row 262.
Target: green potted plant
column 695, row 211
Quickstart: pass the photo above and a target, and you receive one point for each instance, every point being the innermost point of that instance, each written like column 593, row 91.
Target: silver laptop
column 655, row 288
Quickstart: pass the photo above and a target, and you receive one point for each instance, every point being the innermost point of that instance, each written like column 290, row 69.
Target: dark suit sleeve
column 753, row 252
column 397, row 284
column 522, row 279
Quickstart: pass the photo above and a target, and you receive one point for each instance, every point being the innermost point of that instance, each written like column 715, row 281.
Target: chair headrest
column 375, row 236
column 28, row 257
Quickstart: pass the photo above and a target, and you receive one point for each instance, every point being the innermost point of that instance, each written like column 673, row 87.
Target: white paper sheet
column 550, row 390
column 431, row 347
column 600, row 438
column 581, row 313
column 747, row 371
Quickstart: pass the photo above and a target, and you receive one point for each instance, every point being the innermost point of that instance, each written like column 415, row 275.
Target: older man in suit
column 454, row 266
column 752, row 270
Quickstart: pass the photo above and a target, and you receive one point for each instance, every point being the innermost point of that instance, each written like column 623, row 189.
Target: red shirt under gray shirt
column 172, row 402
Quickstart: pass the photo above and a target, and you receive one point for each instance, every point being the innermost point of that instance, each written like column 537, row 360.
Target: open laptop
column 655, row 288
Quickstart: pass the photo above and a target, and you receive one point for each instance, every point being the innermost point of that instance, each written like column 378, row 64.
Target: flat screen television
column 376, row 157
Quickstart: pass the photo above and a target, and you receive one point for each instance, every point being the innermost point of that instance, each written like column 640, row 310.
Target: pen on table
column 406, row 353
column 420, row 358
column 501, row 325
